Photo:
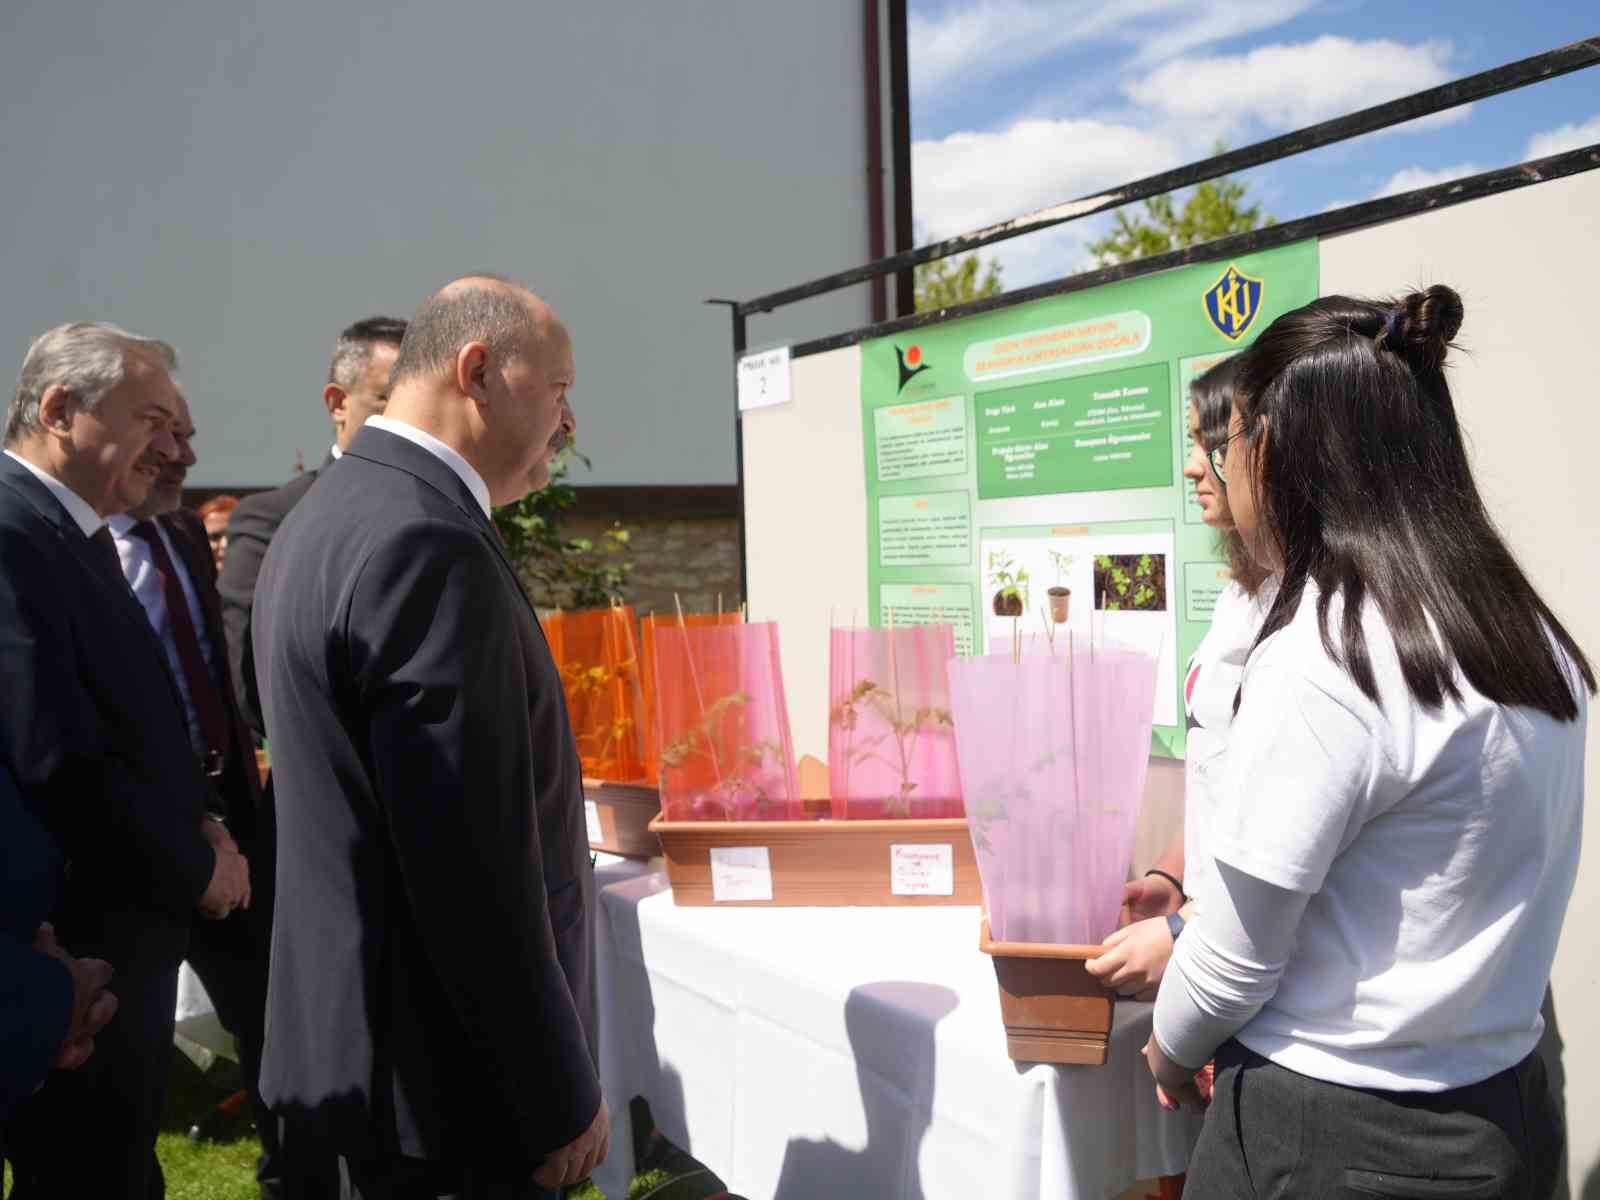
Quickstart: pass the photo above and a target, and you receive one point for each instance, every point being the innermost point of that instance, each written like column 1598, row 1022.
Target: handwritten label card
column 922, row 870
column 740, row 873
column 591, row 818
column 764, row 379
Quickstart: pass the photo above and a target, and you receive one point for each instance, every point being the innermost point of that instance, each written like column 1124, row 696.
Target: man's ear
column 334, row 397
column 472, row 371
column 56, row 410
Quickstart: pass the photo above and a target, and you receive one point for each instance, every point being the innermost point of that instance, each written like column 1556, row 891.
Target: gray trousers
column 1276, row 1135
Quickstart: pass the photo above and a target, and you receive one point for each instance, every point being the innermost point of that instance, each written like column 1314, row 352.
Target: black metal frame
column 1563, row 60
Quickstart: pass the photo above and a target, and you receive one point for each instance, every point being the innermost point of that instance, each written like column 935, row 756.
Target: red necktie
column 203, row 692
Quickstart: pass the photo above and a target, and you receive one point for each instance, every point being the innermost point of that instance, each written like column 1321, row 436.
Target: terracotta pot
column 1060, row 601
column 1054, row 1010
column 621, row 815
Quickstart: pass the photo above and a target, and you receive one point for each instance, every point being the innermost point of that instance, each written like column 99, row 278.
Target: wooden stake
column 1049, row 629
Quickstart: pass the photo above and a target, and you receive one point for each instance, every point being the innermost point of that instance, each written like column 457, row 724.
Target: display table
column 804, row 1052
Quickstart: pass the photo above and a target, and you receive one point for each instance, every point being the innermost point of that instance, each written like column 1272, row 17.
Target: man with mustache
column 167, row 560
column 92, row 729
column 430, row 1006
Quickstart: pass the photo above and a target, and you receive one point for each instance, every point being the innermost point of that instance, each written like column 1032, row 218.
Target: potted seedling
column 890, row 742
column 1011, row 582
column 1060, row 595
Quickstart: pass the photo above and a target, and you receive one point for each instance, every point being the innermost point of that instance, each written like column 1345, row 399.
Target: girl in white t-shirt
column 1397, row 832
column 1139, row 949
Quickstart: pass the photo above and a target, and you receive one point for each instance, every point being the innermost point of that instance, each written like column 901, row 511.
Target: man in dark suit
column 166, row 558
column 357, row 388
column 430, row 1006
column 92, row 730
column 51, row 1004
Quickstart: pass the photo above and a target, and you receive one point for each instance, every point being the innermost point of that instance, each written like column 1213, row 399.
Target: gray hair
column 87, row 358
column 489, row 311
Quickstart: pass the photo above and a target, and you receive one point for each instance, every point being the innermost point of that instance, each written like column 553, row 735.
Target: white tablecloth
column 855, row 1052
column 200, row 1035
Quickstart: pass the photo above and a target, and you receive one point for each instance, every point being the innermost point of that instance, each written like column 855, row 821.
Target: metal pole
column 739, row 335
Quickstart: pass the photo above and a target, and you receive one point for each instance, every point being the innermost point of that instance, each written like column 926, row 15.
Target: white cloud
column 1410, row 179
column 969, row 180
column 964, row 46
column 1563, row 138
column 1290, row 86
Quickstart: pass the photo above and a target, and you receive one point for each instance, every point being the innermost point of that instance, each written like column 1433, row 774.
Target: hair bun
column 1423, row 325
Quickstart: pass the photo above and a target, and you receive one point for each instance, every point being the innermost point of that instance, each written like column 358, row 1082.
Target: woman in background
column 1397, row 835
column 1155, row 906
column 214, row 514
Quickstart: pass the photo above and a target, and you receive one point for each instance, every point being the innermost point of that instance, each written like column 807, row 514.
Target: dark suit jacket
column 92, row 729
column 240, row 788
column 35, row 989
column 431, row 983
column 250, row 530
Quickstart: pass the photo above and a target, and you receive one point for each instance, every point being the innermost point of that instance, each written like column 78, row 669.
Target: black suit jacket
column 431, row 982
column 250, row 531
column 240, row 787
column 92, row 729
column 35, row 989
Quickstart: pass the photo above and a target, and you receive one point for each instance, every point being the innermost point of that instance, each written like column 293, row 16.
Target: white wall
column 245, row 180
column 1526, row 390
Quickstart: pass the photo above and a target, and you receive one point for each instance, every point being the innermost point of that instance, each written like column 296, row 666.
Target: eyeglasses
column 1218, row 455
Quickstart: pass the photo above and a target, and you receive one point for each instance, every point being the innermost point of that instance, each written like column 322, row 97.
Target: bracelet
column 1175, row 882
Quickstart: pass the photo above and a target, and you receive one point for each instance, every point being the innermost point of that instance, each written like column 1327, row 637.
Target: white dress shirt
column 449, row 457
column 79, row 509
column 139, row 568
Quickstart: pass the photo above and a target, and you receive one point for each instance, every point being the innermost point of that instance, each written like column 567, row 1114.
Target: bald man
column 429, row 1011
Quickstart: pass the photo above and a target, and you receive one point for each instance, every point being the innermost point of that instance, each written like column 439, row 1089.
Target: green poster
column 1042, row 446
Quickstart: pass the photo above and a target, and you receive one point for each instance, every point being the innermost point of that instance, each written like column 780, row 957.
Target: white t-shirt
column 1438, row 849
column 1209, row 686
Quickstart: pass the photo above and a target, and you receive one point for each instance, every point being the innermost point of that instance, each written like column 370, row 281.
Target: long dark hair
column 1363, row 479
column 1212, row 396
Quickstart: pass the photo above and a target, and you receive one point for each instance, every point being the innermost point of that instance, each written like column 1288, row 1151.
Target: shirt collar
column 79, row 509
column 335, row 453
column 445, row 454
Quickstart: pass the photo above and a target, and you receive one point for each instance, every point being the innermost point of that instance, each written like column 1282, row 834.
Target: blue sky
column 1017, row 104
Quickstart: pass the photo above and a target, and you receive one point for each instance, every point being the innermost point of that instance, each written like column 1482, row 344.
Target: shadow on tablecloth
column 898, row 1113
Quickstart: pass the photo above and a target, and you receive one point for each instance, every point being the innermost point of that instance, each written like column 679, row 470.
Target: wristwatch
column 1175, row 924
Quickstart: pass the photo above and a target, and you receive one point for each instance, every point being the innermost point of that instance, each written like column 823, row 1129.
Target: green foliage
column 1214, row 209
column 947, row 281
column 1005, row 575
column 904, row 728
column 563, row 572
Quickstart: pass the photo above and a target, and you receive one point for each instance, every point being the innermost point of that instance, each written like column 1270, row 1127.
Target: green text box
column 921, row 439
column 934, row 529
column 1096, row 433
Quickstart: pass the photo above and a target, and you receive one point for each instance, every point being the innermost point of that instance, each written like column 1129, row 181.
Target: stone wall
column 695, row 557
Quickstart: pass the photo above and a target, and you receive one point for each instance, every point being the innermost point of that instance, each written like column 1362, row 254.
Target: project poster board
column 1042, row 446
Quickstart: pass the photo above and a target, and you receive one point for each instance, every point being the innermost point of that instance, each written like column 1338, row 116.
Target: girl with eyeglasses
column 1155, row 907
column 1397, row 832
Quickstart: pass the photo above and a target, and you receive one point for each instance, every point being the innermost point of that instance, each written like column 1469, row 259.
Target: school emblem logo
column 1233, row 302
column 911, row 365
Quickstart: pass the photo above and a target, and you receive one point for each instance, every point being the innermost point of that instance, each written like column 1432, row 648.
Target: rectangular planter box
column 618, row 817
column 1054, row 1010
column 820, row 863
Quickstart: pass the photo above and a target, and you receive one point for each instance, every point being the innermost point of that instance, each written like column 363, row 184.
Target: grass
column 225, row 1168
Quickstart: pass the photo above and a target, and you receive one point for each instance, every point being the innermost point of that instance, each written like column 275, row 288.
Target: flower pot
column 618, row 817
column 1054, row 1011
column 1007, row 603
column 1060, row 600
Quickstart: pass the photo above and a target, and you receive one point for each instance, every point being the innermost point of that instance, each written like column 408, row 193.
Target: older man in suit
column 166, row 558
column 357, row 388
column 430, row 1007
column 93, row 730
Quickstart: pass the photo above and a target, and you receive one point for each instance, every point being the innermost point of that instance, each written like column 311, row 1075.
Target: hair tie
column 1392, row 339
